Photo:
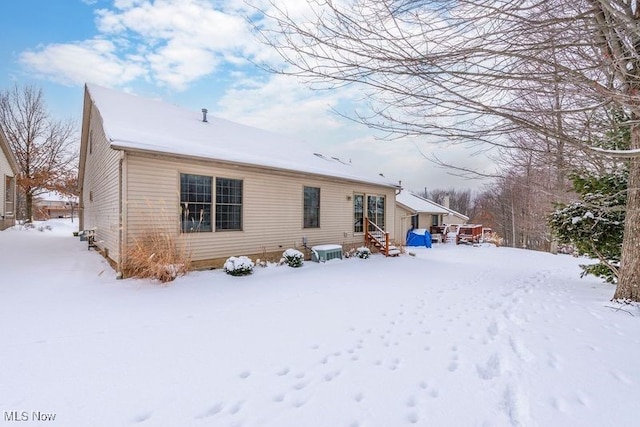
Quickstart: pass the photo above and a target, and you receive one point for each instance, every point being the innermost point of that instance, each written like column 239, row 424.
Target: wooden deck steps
column 379, row 238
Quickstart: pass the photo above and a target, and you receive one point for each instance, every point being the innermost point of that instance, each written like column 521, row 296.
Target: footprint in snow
column 621, row 377
column 412, row 418
column 244, row 374
column 298, row 403
column 558, row 404
column 236, row 407
column 282, row 372
column 553, row 361
column 300, row 385
column 491, row 369
column 520, row 350
column 582, row 398
column 213, row 410
column 493, row 329
column 142, row 417
column 331, row 375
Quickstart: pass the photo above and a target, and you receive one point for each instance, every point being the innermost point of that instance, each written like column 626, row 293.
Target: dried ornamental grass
column 156, row 255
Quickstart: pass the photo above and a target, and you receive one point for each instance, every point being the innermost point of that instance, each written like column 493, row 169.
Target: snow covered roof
column 136, row 123
column 54, row 196
column 421, row 205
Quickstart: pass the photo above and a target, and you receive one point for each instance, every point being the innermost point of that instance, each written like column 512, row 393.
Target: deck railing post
column 366, row 230
column 386, row 244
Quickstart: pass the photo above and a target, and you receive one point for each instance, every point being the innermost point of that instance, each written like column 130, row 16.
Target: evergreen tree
column 594, row 225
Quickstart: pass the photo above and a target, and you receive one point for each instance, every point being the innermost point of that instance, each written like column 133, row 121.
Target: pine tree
column 594, row 225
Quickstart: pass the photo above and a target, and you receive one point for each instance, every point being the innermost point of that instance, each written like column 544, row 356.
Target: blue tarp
column 419, row 237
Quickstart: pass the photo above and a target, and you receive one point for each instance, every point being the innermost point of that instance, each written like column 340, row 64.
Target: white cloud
column 281, row 104
column 172, row 42
column 178, row 43
column 76, row 63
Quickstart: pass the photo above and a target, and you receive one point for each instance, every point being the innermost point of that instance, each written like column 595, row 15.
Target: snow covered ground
column 454, row 336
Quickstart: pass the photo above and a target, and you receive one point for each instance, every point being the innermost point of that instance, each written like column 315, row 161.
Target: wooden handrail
column 373, row 227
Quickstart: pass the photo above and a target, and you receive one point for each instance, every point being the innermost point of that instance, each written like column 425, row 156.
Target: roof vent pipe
column 204, row 114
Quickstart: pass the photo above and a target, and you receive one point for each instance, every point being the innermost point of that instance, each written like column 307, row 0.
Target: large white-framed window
column 228, row 204
column 358, row 213
column 195, row 203
column 375, row 210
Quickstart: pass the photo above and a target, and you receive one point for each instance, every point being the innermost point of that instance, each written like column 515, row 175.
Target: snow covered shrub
column 363, row 252
column 156, row 255
column 25, row 225
column 238, row 266
column 293, row 258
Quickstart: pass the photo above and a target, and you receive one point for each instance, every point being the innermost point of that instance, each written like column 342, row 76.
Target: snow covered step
column 393, row 251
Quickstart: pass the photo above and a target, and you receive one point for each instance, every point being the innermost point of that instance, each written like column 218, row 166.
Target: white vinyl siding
column 402, row 223
column 272, row 206
column 5, row 170
column 101, row 202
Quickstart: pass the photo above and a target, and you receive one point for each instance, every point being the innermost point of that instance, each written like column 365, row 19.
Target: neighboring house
column 9, row 171
column 54, row 205
column 413, row 211
column 221, row 188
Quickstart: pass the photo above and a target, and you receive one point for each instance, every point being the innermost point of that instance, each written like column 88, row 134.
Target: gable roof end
column 4, row 146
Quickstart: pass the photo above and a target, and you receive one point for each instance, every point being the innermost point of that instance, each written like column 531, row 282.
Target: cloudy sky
column 198, row 53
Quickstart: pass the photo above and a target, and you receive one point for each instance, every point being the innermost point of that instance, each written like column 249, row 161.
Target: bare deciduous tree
column 44, row 148
column 458, row 200
column 459, row 70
